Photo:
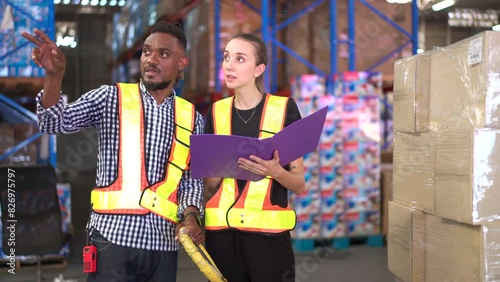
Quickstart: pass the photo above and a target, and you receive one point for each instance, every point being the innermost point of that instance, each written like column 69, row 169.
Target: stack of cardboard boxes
column 444, row 220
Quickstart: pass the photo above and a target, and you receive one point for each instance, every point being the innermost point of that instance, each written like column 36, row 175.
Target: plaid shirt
column 98, row 108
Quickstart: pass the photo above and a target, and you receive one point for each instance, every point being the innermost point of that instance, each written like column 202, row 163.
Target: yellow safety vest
column 252, row 210
column 129, row 193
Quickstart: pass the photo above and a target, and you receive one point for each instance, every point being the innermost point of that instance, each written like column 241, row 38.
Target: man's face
column 161, row 59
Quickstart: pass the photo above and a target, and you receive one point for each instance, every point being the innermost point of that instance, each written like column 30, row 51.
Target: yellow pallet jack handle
column 200, row 257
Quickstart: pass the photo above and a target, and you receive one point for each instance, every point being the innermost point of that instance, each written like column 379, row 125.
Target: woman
column 247, row 223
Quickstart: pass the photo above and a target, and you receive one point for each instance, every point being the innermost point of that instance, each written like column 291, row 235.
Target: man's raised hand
column 46, row 54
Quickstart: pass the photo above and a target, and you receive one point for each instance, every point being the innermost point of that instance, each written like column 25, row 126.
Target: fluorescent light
column 443, row 5
column 496, row 27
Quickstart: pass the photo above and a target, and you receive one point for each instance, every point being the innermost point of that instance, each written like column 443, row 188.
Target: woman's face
column 240, row 69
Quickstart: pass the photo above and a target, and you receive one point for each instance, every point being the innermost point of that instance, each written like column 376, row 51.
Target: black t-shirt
column 279, row 194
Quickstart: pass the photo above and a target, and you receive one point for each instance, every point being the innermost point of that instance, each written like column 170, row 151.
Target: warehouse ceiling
column 478, row 4
column 475, row 8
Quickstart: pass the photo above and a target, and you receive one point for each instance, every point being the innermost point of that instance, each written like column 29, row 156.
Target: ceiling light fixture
column 443, row 5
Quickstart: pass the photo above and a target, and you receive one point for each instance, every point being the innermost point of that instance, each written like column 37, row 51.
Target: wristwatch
column 195, row 214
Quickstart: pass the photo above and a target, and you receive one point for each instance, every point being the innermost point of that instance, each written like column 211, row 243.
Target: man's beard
column 153, row 86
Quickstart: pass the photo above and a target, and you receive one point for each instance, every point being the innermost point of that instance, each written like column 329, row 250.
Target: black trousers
column 252, row 257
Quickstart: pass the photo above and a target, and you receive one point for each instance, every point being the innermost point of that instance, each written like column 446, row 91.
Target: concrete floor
column 355, row 264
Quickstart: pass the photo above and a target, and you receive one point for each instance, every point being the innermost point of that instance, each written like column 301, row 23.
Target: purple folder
column 217, row 155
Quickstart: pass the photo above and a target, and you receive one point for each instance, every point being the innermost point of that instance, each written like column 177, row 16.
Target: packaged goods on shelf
column 330, row 154
column 332, row 226
column 361, row 117
column 308, row 86
column 311, row 160
column 348, row 155
column 24, row 16
column 362, row 223
column 358, row 199
column 331, row 178
column 362, row 83
column 308, row 226
column 332, row 202
column 307, row 203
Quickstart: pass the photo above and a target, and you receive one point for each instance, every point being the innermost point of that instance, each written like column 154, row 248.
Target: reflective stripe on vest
column 161, row 198
column 253, row 210
column 122, row 196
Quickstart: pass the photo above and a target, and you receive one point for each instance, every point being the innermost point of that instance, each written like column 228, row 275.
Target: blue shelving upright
column 13, row 113
column 15, row 50
column 270, row 28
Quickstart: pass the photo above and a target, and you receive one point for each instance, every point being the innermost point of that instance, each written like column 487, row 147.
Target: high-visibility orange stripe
column 254, row 205
column 123, row 195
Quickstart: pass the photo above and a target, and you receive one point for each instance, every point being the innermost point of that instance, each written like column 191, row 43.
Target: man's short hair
column 173, row 29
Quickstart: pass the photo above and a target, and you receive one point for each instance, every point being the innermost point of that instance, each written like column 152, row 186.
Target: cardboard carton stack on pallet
column 444, row 219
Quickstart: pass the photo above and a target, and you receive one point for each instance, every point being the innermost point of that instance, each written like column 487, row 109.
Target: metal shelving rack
column 270, row 27
column 14, row 113
column 26, row 15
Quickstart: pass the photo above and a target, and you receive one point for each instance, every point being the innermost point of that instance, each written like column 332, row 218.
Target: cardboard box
column 464, row 84
column 425, row 247
column 386, row 184
column 411, row 93
column 451, row 173
column 467, row 182
column 406, row 243
column 461, row 252
column 453, row 87
column 414, row 170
